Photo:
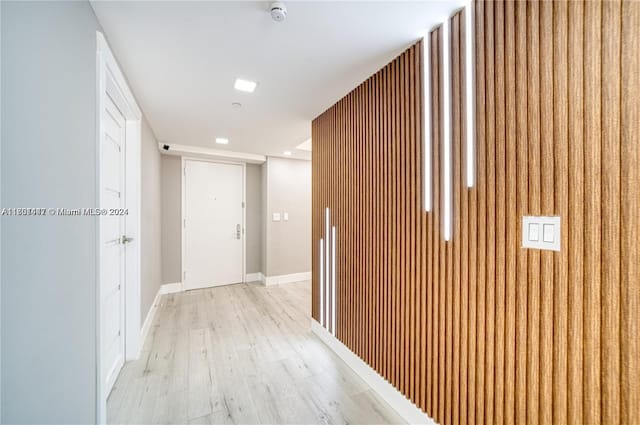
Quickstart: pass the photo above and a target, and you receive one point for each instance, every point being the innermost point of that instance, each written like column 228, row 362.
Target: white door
column 112, row 228
column 213, row 224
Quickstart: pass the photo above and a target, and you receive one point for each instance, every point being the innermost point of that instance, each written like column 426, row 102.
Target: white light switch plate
column 541, row 232
column 285, row 216
column 276, row 216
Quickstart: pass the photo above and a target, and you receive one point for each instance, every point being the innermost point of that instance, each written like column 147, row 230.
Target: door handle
column 238, row 229
column 124, row 239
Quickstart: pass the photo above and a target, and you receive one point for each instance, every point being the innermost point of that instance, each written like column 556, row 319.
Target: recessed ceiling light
column 222, row 141
column 287, row 153
column 245, row 85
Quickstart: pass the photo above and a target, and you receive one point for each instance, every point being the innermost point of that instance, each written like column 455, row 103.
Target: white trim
column 426, row 116
column 151, row 314
column 402, row 405
column 333, row 280
column 170, row 288
column 110, row 82
column 470, row 66
column 183, row 182
column 196, row 152
column 287, row 278
column 254, row 277
column 447, row 215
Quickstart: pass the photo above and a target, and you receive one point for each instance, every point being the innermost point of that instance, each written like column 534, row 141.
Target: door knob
column 125, row 239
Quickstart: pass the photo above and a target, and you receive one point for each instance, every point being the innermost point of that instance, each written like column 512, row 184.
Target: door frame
column 183, row 182
column 110, row 81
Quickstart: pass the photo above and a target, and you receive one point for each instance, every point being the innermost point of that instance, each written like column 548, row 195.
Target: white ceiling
column 182, row 58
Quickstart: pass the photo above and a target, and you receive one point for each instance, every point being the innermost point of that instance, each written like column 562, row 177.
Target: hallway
column 240, row 354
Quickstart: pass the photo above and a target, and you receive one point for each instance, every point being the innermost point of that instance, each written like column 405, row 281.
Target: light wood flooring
column 241, row 354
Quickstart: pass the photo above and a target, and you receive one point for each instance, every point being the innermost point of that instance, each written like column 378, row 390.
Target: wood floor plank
column 240, row 354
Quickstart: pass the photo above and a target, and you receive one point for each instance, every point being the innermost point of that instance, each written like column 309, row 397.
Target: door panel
column 213, row 227
column 113, row 251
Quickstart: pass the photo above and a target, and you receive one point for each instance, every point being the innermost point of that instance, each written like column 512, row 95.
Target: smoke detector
column 278, row 11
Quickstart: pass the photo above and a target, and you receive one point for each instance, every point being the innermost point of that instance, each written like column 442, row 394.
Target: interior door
column 112, row 229
column 213, row 224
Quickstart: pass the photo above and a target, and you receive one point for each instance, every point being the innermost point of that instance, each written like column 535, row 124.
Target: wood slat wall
column 479, row 330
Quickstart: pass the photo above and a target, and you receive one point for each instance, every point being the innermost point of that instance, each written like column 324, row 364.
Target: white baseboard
column 254, row 277
column 167, row 288
column 287, row 278
column 402, row 405
column 170, row 288
column 149, row 320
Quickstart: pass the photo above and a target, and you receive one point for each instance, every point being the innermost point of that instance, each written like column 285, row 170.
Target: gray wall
column 49, row 263
column 151, row 220
column 253, row 218
column 288, row 243
column 171, row 217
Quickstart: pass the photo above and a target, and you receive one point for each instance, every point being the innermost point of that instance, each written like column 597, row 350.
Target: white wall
column 287, row 244
column 171, row 219
column 49, row 263
column 151, row 214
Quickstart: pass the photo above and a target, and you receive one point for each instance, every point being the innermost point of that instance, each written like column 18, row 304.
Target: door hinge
column 184, row 171
column 184, row 275
column 184, row 223
column 243, row 205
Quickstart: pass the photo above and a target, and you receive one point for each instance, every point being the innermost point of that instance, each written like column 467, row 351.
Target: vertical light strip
column 426, row 135
column 321, row 315
column 333, row 280
column 446, row 112
column 470, row 81
column 328, row 266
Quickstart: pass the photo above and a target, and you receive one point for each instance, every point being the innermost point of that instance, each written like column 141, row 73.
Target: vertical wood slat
column 630, row 213
column 463, row 231
column 490, row 215
column 547, row 208
column 592, row 218
column 481, row 139
column 435, row 219
column 500, row 235
column 560, row 134
column 512, row 222
column 533, row 139
column 456, row 183
column 575, row 212
column 522, row 207
column 479, row 330
column 611, row 15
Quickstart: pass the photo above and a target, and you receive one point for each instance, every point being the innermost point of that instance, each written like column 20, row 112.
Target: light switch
column 285, row 217
column 547, row 233
column 276, row 216
column 541, row 232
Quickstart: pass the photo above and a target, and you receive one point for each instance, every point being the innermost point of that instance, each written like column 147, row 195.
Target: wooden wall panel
column 477, row 329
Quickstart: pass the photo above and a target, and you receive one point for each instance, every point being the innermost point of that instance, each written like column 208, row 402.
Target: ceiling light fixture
column 287, row 153
column 245, row 85
column 236, row 105
column 222, row 141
